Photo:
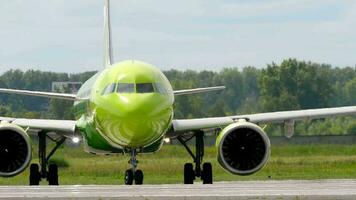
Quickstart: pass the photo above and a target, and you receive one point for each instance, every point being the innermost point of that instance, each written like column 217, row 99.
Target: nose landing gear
column 132, row 174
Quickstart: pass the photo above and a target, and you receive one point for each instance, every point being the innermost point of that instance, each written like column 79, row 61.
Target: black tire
column 207, row 173
column 35, row 176
column 189, row 174
column 139, row 177
column 52, row 175
column 129, row 177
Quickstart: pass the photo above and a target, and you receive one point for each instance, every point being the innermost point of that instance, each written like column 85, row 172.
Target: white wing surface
column 52, row 95
column 197, row 90
column 60, row 127
column 272, row 117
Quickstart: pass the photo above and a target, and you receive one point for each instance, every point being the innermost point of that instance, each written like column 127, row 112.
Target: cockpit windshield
column 109, row 89
column 144, row 88
column 160, row 88
column 125, row 88
column 132, row 88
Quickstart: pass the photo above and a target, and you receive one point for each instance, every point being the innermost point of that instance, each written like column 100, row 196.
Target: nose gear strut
column 133, row 174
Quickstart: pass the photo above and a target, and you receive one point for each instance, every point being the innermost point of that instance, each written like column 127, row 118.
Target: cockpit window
column 126, row 88
column 109, row 89
column 160, row 88
column 144, row 88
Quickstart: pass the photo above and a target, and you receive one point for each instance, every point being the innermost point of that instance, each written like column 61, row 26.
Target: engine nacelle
column 15, row 150
column 243, row 148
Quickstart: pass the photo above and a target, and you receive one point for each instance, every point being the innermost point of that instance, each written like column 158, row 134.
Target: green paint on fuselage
column 125, row 120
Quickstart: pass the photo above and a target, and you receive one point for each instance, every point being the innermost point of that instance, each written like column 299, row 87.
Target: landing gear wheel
column 139, row 177
column 189, row 174
column 207, row 174
column 52, row 174
column 35, row 176
column 129, row 177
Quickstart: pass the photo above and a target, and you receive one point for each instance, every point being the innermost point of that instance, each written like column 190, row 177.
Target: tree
column 296, row 85
column 350, row 92
column 61, row 109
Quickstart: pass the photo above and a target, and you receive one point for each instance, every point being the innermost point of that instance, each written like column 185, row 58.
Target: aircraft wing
column 60, row 127
column 181, row 125
column 197, row 90
column 72, row 97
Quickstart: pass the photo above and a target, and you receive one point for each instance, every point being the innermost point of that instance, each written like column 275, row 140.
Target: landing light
column 75, row 140
column 167, row 140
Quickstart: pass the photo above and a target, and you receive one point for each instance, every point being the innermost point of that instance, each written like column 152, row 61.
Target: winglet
column 108, row 52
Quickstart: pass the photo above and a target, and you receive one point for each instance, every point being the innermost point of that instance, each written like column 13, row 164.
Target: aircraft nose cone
column 145, row 105
column 136, row 120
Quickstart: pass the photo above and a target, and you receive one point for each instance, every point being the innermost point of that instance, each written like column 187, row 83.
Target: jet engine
column 15, row 150
column 243, row 148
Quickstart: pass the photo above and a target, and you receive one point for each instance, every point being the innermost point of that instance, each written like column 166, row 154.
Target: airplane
column 127, row 108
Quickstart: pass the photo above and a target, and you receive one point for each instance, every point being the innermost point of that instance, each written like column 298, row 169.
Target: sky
column 66, row 36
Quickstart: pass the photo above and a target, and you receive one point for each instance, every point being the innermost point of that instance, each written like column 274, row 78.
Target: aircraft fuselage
column 129, row 105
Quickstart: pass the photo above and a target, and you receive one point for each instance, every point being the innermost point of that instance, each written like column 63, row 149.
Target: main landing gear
column 133, row 174
column 205, row 172
column 38, row 172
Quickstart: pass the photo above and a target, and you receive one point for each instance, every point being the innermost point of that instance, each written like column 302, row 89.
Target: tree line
column 290, row 85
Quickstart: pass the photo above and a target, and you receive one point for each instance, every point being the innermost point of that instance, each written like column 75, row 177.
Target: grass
column 166, row 166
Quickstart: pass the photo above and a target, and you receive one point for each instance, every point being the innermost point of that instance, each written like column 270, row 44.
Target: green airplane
column 128, row 108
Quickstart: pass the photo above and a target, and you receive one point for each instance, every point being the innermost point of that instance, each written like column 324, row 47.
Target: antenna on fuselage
column 108, row 53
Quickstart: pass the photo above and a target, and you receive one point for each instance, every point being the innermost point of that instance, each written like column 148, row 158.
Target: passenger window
column 126, row 88
column 144, row 88
column 109, row 89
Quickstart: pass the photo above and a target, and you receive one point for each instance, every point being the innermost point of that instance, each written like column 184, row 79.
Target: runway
column 245, row 190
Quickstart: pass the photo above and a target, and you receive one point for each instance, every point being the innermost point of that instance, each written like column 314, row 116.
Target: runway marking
column 322, row 189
